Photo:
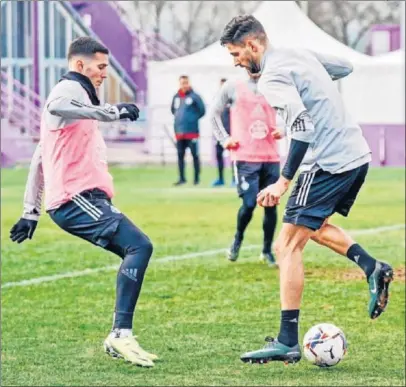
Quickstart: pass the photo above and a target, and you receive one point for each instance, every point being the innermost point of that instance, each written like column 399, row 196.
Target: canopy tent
column 373, row 93
column 286, row 26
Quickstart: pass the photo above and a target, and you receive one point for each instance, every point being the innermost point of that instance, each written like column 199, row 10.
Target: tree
column 192, row 25
column 350, row 21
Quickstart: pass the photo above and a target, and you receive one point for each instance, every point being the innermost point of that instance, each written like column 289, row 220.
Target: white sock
column 126, row 332
column 117, row 332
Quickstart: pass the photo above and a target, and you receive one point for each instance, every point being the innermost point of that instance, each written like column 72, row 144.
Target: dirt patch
column 350, row 274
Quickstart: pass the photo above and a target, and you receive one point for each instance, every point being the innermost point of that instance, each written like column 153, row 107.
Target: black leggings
column 220, row 160
column 269, row 222
column 181, row 147
column 135, row 248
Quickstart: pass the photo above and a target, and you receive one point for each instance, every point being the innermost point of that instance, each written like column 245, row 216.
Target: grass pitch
column 200, row 313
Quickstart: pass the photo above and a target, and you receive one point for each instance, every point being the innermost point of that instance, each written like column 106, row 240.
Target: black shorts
column 90, row 215
column 318, row 195
column 253, row 177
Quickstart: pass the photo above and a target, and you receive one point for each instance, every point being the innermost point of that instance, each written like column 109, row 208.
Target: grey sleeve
column 68, row 100
column 222, row 98
column 34, row 188
column 281, row 93
column 336, row 67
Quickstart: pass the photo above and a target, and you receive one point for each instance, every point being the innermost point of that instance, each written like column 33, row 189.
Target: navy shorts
column 90, row 215
column 318, row 195
column 252, row 177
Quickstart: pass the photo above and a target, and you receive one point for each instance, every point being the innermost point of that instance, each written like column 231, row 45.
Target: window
column 47, row 81
column 60, row 35
column 4, row 29
column 47, row 37
column 20, row 29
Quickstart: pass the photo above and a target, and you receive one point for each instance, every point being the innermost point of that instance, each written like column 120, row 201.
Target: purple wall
column 387, row 144
column 107, row 25
column 394, row 36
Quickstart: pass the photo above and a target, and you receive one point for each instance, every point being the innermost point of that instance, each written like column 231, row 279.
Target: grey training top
column 299, row 84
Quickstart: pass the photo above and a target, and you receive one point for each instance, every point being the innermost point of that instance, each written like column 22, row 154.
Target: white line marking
column 171, row 258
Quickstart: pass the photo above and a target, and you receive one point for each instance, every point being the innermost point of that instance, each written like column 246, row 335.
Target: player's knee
column 287, row 246
column 147, row 248
column 249, row 202
column 141, row 247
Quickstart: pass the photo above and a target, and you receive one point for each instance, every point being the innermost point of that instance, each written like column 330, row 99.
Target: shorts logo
column 244, row 184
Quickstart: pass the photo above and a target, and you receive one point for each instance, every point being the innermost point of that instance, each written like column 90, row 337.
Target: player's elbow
column 349, row 69
column 54, row 108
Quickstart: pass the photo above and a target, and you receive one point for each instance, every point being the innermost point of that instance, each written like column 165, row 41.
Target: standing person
column 254, row 153
column 70, row 165
column 225, row 120
column 187, row 108
column 333, row 157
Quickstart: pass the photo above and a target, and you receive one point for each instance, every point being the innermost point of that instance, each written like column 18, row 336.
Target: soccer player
column 254, row 152
column 70, row 165
column 333, row 157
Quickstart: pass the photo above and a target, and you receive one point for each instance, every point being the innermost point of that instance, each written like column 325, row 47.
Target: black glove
column 22, row 230
column 128, row 110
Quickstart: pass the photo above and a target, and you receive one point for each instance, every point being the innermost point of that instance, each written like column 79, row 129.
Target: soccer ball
column 324, row 345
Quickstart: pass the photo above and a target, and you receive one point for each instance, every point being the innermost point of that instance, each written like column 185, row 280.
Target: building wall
column 35, row 37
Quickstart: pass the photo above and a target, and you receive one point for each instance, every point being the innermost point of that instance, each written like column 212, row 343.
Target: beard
column 253, row 67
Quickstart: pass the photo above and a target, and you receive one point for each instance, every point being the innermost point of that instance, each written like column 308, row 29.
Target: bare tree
column 191, row 25
column 148, row 13
column 337, row 17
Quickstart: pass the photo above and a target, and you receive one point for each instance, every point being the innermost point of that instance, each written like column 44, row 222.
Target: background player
column 254, row 153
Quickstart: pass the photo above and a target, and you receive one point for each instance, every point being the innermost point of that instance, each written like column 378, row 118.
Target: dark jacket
column 187, row 108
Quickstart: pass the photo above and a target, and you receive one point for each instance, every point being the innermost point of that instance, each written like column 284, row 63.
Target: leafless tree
column 192, row 25
column 337, row 17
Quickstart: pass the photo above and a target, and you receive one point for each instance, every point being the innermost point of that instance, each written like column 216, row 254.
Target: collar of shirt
column 267, row 52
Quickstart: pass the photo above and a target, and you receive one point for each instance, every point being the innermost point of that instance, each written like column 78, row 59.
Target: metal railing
column 20, row 105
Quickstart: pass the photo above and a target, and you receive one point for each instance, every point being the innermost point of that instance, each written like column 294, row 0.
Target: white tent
column 376, row 81
column 286, row 26
column 375, row 92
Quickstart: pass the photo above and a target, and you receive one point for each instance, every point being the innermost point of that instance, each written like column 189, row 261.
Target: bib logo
column 258, row 112
column 258, row 130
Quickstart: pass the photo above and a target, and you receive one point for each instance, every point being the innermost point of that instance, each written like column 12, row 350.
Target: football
column 324, row 345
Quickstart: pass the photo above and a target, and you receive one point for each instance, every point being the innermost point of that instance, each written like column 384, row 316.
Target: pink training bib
column 74, row 160
column 252, row 122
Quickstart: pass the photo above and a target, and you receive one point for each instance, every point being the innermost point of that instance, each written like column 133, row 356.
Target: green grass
column 199, row 314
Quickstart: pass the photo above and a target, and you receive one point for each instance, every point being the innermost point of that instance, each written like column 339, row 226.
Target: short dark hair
column 240, row 27
column 184, row 77
column 222, row 80
column 86, row 46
